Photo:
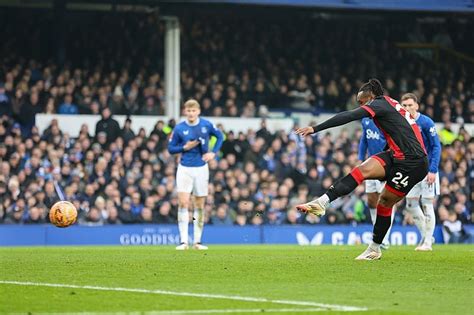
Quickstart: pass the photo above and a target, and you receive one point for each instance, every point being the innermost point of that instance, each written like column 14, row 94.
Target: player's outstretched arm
column 337, row 120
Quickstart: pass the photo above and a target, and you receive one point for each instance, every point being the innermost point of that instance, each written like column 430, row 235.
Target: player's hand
column 208, row 156
column 190, row 144
column 304, row 131
column 430, row 178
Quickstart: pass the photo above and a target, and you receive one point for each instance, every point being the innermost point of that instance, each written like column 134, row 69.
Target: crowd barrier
column 46, row 235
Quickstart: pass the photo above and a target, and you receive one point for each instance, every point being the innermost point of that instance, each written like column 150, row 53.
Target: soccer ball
column 63, row 214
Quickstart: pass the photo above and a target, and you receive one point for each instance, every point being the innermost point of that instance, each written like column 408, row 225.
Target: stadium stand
column 230, row 65
column 258, row 179
column 116, row 176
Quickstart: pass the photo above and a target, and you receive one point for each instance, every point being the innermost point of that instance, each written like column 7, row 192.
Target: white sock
column 183, row 224
column 430, row 219
column 373, row 215
column 418, row 217
column 375, row 246
column 198, row 224
column 324, row 200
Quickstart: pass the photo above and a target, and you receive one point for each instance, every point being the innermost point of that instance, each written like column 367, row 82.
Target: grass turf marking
column 334, row 307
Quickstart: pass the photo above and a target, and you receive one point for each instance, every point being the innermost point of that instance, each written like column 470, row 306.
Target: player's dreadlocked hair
column 373, row 86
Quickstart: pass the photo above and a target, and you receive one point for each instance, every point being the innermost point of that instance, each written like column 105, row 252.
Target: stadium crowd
column 114, row 176
column 232, row 67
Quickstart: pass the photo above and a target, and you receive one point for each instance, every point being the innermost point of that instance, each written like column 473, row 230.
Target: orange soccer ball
column 63, row 214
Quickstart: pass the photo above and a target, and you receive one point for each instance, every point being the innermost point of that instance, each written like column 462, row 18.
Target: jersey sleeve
column 376, row 108
column 341, row 119
column 362, row 145
column 174, row 144
column 219, row 136
column 430, row 133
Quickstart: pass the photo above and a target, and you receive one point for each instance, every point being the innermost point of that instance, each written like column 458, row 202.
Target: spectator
column 108, row 125
column 151, row 108
column 221, row 217
column 5, row 106
column 125, row 213
column 146, row 216
column 35, row 215
column 164, row 214
column 453, row 230
column 127, row 133
column 67, row 107
column 92, row 218
column 28, row 111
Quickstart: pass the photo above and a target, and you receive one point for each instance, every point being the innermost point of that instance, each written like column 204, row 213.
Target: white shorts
column 373, row 186
column 424, row 190
column 193, row 180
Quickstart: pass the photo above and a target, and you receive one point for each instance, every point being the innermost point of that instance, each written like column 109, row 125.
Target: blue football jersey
column 372, row 139
column 202, row 130
column 431, row 141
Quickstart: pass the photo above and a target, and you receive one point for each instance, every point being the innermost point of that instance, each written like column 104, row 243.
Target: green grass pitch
column 403, row 282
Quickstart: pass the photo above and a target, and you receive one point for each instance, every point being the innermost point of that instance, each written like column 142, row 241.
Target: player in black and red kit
column 402, row 166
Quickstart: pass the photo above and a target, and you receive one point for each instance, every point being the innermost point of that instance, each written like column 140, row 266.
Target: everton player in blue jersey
column 402, row 166
column 428, row 188
column 372, row 142
column 190, row 138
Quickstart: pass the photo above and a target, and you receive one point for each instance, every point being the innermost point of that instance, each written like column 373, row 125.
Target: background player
column 191, row 139
column 373, row 142
column 403, row 166
column 428, row 188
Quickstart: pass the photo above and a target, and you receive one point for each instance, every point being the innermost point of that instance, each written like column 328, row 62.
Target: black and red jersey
column 398, row 126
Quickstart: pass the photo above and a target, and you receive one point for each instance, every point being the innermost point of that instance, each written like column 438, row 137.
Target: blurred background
column 91, row 90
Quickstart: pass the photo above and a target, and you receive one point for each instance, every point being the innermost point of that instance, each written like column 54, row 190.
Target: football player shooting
column 191, row 139
column 428, row 188
column 402, row 166
column 372, row 142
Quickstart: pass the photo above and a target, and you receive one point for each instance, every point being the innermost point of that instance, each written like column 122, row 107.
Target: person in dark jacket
column 127, row 132
column 28, row 113
column 108, row 125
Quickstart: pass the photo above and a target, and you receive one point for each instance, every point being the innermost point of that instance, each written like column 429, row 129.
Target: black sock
column 342, row 187
column 382, row 224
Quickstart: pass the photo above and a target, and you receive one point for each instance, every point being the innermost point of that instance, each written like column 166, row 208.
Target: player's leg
column 401, row 177
column 184, row 183
column 382, row 224
column 413, row 207
column 428, row 193
column 200, row 191
column 379, row 185
column 372, row 197
column 372, row 168
column 198, row 218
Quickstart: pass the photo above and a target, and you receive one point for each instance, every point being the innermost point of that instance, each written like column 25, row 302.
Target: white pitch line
column 334, row 307
column 214, row 311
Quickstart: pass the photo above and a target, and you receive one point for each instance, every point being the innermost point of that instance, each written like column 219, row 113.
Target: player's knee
column 427, row 201
column 199, row 202
column 357, row 175
column 364, row 169
column 183, row 203
column 373, row 204
column 386, row 201
column 372, row 201
column 412, row 203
